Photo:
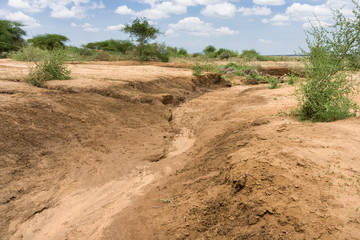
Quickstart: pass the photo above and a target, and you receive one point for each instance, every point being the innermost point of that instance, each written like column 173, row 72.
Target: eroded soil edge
column 74, row 154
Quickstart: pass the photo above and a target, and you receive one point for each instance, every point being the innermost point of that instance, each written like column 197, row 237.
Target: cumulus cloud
column 115, row 27
column 213, row 8
column 157, row 11
column 298, row 12
column 59, row 9
column 259, row 11
column 86, row 26
column 195, row 26
column 221, row 10
column 269, row 2
column 28, row 21
column 124, row 10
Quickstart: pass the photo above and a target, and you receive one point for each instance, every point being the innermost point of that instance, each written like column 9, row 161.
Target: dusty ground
column 125, row 151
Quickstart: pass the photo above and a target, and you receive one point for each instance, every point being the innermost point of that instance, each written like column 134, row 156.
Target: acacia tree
column 48, row 41
column 326, row 95
column 142, row 32
column 11, row 35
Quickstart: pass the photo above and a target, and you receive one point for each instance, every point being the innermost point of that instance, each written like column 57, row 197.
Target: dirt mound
column 252, row 175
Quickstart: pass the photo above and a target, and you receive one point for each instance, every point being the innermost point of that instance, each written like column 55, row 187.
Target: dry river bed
column 126, row 151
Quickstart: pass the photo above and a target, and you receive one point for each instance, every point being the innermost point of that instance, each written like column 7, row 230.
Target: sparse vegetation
column 251, row 55
column 274, row 82
column 326, row 95
column 198, row 68
column 50, row 68
column 111, row 45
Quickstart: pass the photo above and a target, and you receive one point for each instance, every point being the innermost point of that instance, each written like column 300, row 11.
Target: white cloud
column 298, row 12
column 86, row 26
column 221, row 10
column 157, row 11
column 28, row 21
column 194, row 26
column 124, row 10
column 24, row 5
column 278, row 20
column 269, row 2
column 115, row 27
column 259, row 11
column 162, row 10
column 59, row 8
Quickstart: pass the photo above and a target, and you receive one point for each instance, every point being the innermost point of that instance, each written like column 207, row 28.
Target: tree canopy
column 11, row 35
column 142, row 32
column 48, row 41
column 112, row 45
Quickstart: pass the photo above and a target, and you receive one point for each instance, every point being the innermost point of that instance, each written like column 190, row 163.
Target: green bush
column 111, row 45
column 209, row 50
column 223, row 53
column 34, row 54
column 293, row 79
column 254, row 76
column 183, row 52
column 353, row 61
column 198, row 69
column 196, row 55
column 274, row 82
column 327, row 93
column 51, row 68
column 251, row 55
column 30, row 54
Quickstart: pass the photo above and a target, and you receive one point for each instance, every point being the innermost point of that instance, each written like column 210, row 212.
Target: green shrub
column 195, row 55
column 209, row 49
column 111, row 45
column 240, row 69
column 274, row 82
column 198, row 69
column 223, row 53
column 353, row 61
column 183, row 52
column 327, row 93
column 103, row 56
column 30, row 54
column 51, row 68
column 293, row 79
column 254, row 76
column 251, row 55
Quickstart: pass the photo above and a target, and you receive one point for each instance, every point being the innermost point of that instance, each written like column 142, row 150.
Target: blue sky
column 269, row 26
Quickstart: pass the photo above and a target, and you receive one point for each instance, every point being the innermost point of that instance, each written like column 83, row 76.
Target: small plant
column 274, row 82
column 293, row 79
column 168, row 200
column 198, row 69
column 54, row 67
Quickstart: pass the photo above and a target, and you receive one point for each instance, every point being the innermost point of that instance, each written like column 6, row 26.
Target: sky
column 271, row 27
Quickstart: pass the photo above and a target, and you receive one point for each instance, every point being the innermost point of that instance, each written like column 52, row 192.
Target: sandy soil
column 126, row 151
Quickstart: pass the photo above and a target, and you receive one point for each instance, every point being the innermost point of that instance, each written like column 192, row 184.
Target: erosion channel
column 152, row 152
